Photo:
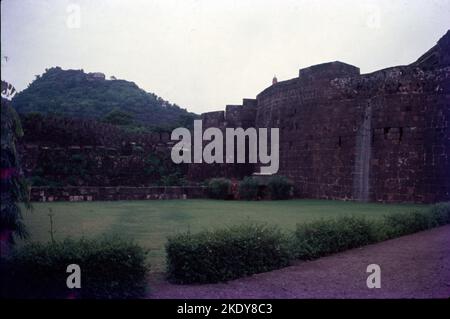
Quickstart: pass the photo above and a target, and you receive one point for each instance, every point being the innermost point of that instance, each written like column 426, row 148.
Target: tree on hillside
column 118, row 117
column 73, row 93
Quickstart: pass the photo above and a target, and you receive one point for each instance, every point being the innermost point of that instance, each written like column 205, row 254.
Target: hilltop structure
column 96, row 76
column 382, row 136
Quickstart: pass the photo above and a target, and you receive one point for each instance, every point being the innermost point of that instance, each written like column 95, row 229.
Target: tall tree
column 13, row 186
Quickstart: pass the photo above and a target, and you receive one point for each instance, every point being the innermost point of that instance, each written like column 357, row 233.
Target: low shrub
column 221, row 255
column 400, row 224
column 248, row 188
column 324, row 237
column 441, row 213
column 110, row 268
column 279, row 187
column 219, row 188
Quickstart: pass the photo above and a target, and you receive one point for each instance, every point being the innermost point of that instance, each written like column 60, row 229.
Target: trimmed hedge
column 248, row 188
column 321, row 238
column 441, row 213
column 221, row 255
column 407, row 223
column 111, row 268
column 279, row 187
column 324, row 237
column 219, row 188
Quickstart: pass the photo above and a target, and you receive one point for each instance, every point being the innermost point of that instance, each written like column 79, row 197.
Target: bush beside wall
column 219, row 188
column 213, row 256
column 248, row 188
column 111, row 268
column 279, row 187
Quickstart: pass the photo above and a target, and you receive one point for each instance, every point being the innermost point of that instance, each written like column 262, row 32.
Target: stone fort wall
column 234, row 116
column 382, row 136
column 79, row 152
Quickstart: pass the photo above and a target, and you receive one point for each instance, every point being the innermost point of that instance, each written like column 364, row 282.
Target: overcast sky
column 204, row 54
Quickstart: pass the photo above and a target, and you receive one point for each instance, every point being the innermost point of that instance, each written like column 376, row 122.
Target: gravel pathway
column 414, row 266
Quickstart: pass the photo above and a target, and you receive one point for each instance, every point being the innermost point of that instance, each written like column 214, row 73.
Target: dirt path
column 414, row 266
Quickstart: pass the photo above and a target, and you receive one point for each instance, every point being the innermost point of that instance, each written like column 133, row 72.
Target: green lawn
column 150, row 222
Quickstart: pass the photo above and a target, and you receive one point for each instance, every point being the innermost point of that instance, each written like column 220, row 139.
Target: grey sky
column 204, row 54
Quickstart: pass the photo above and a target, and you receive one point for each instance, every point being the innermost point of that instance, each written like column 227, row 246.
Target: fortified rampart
column 58, row 152
column 234, row 116
column 382, row 136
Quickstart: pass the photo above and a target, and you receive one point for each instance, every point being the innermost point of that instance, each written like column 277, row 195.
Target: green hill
column 74, row 93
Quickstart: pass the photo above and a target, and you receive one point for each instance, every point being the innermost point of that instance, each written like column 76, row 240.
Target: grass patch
column 150, row 223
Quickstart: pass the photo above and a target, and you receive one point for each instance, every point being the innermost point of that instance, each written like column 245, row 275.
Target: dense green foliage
column 219, row 188
column 239, row 251
column 13, row 185
column 403, row 223
column 118, row 117
column 213, row 256
column 324, row 237
column 279, row 187
column 248, row 188
column 66, row 170
column 74, row 93
column 60, row 169
column 440, row 213
column 110, row 268
column 162, row 171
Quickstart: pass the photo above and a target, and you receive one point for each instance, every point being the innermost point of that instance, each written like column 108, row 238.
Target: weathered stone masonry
column 88, row 153
column 382, row 136
column 95, row 193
